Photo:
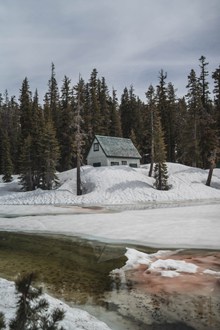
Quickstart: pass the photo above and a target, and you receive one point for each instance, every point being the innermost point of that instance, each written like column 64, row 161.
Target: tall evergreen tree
column 160, row 168
column 172, row 113
column 94, row 103
column 166, row 105
column 36, row 137
column 208, row 132
column 194, row 104
column 26, row 146
column 183, row 135
column 115, row 120
column 204, row 85
column 130, row 113
column 79, row 135
column 26, row 119
column 126, row 114
column 6, row 162
column 216, row 92
column 52, row 97
column 86, row 113
column 150, row 94
column 104, row 107
column 66, row 130
column 50, row 155
column 14, row 132
column 26, row 170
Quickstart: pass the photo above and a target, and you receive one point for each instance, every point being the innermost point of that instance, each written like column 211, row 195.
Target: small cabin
column 110, row 151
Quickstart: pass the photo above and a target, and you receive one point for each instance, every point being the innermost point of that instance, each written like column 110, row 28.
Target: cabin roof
column 117, row 147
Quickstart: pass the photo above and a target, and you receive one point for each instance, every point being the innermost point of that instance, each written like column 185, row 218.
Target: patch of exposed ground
column 190, row 298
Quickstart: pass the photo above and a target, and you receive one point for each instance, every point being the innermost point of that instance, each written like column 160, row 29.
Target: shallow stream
column 77, row 271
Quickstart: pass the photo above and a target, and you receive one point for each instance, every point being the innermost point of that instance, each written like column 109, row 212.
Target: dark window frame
column 96, row 146
column 134, row 165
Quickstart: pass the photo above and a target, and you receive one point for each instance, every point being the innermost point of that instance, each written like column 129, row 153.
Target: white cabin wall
column 96, row 156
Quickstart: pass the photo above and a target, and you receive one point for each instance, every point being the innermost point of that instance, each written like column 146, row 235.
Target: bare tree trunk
column 152, row 144
column 212, row 160
column 78, row 178
column 79, row 142
column 194, row 163
column 160, row 177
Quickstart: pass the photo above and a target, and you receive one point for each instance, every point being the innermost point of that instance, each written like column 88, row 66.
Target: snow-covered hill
column 117, row 185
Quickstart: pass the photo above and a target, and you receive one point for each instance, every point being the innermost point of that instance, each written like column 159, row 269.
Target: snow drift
column 118, row 185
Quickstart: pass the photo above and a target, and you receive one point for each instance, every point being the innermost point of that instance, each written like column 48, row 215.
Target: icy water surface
column 77, row 271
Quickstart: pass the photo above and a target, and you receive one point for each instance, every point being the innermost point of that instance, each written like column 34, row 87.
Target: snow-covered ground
column 188, row 215
column 74, row 318
column 118, row 185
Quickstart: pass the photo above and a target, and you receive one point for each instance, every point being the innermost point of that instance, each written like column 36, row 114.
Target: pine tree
column 86, row 114
column 115, row 120
column 26, row 171
column 194, row 105
column 6, row 162
column 2, row 321
column 130, row 113
column 10, row 124
column 216, row 92
column 66, row 130
column 36, row 136
column 14, row 132
column 183, row 138
column 50, row 155
column 172, row 112
column 26, row 146
column 79, row 135
column 208, row 133
column 52, row 97
column 94, row 104
column 126, row 114
column 160, row 168
column 31, row 310
column 104, row 107
column 26, row 119
column 150, row 94
column 166, row 106
column 204, row 85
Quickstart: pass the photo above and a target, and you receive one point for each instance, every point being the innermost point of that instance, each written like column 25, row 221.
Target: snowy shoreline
column 188, row 227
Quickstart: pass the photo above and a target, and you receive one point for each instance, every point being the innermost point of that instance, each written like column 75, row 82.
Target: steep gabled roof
column 117, row 147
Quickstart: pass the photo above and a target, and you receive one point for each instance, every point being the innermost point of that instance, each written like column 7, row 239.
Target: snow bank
column 153, row 263
column 179, row 266
column 118, row 185
column 74, row 318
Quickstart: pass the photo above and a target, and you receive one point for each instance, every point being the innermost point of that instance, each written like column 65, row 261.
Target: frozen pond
column 77, row 270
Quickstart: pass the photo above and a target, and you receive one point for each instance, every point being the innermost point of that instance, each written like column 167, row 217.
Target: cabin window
column 114, row 163
column 96, row 146
column 96, row 164
column 124, row 162
column 133, row 165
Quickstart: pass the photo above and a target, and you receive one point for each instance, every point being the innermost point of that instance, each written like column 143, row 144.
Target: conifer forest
column 37, row 140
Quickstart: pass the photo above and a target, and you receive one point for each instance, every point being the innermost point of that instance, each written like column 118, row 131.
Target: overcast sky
column 127, row 41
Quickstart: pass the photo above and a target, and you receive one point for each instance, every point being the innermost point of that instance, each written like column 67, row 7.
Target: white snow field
column 119, row 204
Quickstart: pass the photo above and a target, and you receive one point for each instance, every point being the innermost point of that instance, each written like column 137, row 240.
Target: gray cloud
column 128, row 42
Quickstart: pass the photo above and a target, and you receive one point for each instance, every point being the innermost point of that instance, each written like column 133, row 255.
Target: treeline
column 37, row 140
